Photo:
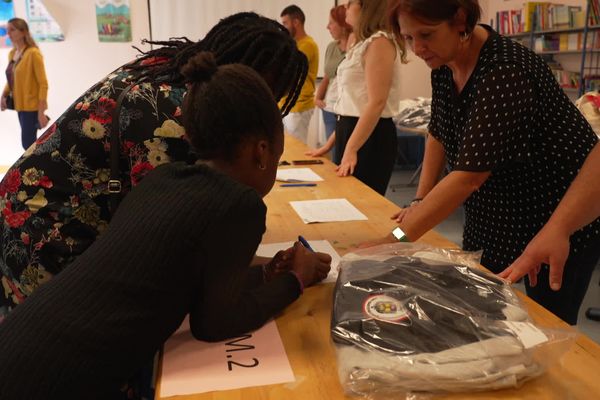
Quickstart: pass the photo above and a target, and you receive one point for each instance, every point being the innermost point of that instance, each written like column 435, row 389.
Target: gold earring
column 464, row 36
column 262, row 167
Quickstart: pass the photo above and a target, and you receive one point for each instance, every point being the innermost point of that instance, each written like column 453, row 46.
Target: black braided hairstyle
column 246, row 38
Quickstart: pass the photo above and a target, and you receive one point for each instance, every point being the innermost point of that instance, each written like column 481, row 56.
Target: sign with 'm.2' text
column 191, row 366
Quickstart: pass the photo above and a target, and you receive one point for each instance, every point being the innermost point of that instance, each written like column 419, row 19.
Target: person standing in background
column 296, row 122
column 327, row 92
column 369, row 96
column 26, row 87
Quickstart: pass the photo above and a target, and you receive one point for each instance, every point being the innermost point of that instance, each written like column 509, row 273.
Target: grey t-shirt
column 333, row 57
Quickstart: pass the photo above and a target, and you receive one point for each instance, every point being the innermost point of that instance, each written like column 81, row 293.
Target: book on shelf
column 594, row 16
column 591, row 82
column 565, row 41
column 508, row 22
column 542, row 15
column 565, row 79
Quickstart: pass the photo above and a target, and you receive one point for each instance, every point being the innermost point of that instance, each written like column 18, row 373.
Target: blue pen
column 297, row 184
column 305, row 243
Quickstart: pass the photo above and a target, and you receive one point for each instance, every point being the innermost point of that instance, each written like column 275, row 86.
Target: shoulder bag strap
column 114, row 184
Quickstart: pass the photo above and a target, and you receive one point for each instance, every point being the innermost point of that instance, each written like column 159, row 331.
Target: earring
column 464, row 36
column 262, row 167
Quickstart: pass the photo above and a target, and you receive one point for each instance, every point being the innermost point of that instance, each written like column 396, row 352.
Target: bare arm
column 323, row 149
column 433, row 164
column 379, row 66
column 581, row 204
column 441, row 201
column 321, row 90
column 579, row 207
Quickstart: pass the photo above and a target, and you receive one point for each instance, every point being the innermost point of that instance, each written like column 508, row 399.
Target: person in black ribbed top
column 180, row 243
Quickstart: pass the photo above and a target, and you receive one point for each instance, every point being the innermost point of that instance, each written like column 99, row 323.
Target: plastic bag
column 414, row 113
column 588, row 105
column 410, row 319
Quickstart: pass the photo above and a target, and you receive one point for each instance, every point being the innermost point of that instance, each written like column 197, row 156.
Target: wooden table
column 304, row 326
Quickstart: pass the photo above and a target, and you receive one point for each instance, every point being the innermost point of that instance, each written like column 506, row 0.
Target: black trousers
column 376, row 157
column 29, row 127
column 565, row 303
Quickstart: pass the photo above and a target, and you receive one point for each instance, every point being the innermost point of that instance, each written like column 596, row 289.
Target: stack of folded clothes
column 409, row 324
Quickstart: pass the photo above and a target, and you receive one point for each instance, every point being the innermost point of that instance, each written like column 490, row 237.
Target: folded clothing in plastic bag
column 408, row 324
column 414, row 113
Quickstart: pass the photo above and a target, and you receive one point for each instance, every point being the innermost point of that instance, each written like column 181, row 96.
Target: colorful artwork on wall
column 42, row 25
column 7, row 12
column 113, row 20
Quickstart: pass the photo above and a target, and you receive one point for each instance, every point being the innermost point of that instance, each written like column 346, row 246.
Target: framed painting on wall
column 113, row 20
column 7, row 12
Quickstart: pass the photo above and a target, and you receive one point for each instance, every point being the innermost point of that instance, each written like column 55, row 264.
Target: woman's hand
column 310, row 267
column 42, row 120
column 320, row 103
column 348, row 163
column 550, row 246
column 320, row 152
column 3, row 105
column 281, row 262
column 404, row 212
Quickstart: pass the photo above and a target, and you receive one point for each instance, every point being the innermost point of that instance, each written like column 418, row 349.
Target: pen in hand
column 305, row 243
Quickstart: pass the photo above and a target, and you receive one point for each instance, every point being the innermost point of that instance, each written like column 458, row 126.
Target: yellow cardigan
column 30, row 84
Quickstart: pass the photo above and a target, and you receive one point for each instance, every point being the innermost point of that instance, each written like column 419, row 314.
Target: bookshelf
column 560, row 33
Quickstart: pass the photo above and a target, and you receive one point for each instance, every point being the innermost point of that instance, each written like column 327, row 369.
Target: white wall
column 415, row 78
column 81, row 60
column 73, row 65
column 193, row 18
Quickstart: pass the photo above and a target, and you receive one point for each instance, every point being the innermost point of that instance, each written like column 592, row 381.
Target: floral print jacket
column 54, row 200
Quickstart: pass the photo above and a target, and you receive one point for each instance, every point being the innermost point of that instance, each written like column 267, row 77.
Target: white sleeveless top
column 352, row 85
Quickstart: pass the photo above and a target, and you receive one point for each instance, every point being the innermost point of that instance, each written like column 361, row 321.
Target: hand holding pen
column 309, row 266
column 305, row 243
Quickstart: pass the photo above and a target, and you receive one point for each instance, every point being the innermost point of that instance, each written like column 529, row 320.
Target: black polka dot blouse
column 514, row 120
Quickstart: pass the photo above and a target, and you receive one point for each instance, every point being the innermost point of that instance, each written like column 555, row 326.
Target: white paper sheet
column 297, row 175
column 191, row 366
column 321, row 246
column 528, row 333
column 330, row 210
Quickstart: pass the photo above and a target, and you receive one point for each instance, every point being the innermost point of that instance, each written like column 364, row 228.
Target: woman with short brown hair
column 512, row 139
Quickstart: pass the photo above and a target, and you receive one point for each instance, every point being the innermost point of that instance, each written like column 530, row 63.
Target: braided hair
column 225, row 106
column 246, row 38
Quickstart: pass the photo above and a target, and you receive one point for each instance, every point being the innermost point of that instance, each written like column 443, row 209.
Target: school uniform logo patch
column 385, row 308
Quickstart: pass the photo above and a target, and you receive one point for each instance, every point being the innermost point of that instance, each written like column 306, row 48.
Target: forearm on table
column 434, row 161
column 443, row 199
column 330, row 142
column 581, row 203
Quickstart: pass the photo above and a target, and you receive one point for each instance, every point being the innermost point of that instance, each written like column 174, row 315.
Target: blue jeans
column 29, row 126
column 330, row 120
